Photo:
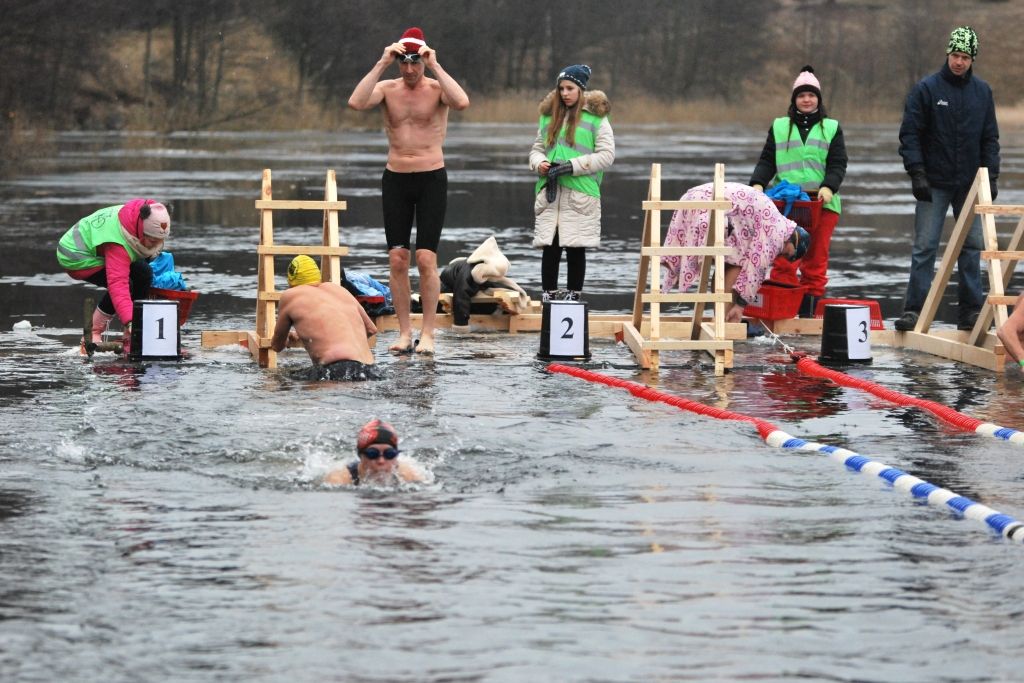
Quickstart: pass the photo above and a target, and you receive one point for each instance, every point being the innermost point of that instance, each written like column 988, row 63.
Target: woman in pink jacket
column 110, row 248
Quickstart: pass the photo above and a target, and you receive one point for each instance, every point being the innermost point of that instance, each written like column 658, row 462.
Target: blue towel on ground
column 787, row 192
column 368, row 286
column 164, row 275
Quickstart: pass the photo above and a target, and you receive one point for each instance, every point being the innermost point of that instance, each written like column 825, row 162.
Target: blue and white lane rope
column 1005, row 525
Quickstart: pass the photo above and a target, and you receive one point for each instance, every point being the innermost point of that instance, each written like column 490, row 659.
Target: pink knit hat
column 806, row 82
column 145, row 217
column 156, row 222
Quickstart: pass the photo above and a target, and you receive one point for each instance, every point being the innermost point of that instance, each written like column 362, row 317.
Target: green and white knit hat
column 963, row 39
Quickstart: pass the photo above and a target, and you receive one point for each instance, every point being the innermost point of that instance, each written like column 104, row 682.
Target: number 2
column 568, row 328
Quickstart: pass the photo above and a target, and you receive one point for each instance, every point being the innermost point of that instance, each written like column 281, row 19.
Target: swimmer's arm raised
column 369, row 92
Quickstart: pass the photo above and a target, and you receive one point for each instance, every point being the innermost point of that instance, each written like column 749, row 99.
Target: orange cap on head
column 376, row 431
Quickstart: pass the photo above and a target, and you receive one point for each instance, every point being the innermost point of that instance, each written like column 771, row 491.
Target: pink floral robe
column 758, row 234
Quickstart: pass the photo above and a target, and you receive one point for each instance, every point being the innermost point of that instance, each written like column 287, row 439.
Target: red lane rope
column 764, row 428
column 944, row 413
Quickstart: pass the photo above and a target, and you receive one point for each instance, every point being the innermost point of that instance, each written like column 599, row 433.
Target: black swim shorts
column 423, row 196
column 344, row 371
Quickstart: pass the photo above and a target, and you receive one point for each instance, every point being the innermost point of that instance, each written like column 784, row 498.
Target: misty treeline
column 201, row 63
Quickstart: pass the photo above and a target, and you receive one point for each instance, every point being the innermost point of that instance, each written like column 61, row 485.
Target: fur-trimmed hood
column 594, row 101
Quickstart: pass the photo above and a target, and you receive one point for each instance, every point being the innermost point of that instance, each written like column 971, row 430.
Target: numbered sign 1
column 564, row 333
column 845, row 334
column 155, row 334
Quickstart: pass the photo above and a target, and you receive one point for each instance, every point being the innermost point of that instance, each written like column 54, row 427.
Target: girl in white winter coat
column 574, row 146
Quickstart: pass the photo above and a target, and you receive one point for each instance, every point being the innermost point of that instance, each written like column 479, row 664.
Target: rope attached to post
column 1005, row 525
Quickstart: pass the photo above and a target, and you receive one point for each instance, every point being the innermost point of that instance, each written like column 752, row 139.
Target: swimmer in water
column 330, row 323
column 378, row 463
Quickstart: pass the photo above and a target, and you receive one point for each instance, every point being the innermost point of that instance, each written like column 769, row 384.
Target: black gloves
column 555, row 170
column 919, row 184
column 992, row 188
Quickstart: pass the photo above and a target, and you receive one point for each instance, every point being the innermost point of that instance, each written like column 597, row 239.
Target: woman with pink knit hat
column 806, row 148
column 109, row 248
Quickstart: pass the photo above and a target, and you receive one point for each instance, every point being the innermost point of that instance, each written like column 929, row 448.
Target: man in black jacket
column 949, row 130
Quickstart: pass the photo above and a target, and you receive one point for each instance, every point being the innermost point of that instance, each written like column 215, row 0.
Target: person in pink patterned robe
column 756, row 231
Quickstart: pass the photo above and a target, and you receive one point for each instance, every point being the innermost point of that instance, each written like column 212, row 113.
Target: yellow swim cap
column 303, row 271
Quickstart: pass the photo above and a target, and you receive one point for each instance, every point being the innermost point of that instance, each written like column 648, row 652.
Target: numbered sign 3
column 845, row 334
column 155, row 334
column 564, row 331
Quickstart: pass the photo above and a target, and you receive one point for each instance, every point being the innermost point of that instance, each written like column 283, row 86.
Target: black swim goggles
column 408, row 58
column 373, row 453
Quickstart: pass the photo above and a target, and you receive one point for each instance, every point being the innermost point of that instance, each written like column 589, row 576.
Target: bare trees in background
column 192, row 63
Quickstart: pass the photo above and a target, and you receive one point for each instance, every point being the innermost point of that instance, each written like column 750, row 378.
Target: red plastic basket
column 184, row 298
column 874, row 310
column 775, row 301
column 806, row 214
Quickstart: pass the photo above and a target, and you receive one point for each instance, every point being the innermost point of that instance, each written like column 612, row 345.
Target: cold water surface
column 166, row 521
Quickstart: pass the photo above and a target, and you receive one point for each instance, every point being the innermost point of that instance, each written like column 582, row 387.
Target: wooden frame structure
column 700, row 335
column 330, row 252
column 979, row 346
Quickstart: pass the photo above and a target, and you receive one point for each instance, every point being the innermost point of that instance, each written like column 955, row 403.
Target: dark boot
column 906, row 322
column 807, row 305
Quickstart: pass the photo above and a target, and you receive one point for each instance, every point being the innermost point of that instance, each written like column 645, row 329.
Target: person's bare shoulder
column 338, row 477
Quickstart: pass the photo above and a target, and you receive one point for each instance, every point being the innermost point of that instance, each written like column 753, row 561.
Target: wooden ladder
column 700, row 335
column 329, row 251
column 980, row 346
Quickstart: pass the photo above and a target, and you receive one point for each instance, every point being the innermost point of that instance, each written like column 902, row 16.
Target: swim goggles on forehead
column 374, row 453
column 408, row 58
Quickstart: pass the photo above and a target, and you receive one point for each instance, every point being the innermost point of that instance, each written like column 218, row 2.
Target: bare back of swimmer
column 329, row 322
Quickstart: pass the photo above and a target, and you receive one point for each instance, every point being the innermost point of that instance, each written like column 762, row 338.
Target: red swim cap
column 376, row 431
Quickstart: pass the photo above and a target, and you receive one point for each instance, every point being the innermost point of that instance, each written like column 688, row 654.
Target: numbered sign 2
column 845, row 334
column 155, row 333
column 564, row 332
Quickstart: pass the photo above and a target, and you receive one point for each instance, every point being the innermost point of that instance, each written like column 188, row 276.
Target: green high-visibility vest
column 77, row 248
column 586, row 137
column 802, row 162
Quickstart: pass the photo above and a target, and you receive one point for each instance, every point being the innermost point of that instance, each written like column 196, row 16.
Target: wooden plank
column 953, row 350
column 656, row 269
column 635, row 342
column 688, row 344
column 686, row 205
column 330, row 264
column 296, row 249
column 213, row 338
column 1002, row 209
column 644, row 267
column 1003, row 300
column 1002, row 255
column 300, row 204
column 718, row 226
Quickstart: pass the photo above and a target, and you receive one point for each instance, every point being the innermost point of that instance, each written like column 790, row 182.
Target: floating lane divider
column 1005, row 525
column 945, row 413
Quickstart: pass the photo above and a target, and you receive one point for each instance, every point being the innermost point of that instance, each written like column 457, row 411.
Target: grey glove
column 551, row 190
column 919, row 184
column 556, row 169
